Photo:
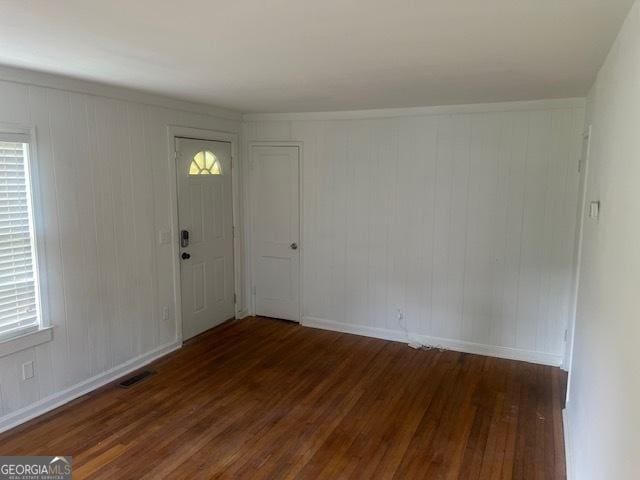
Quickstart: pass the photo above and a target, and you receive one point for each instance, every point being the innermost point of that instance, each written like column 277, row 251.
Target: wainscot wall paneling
column 451, row 226
column 102, row 161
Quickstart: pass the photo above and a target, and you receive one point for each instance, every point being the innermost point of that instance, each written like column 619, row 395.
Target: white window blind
column 18, row 278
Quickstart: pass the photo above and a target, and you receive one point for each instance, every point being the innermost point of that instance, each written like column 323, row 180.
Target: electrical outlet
column 28, row 370
column 400, row 314
column 165, row 314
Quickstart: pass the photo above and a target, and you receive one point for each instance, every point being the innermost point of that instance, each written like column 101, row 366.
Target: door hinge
column 253, row 289
column 235, row 298
column 586, row 148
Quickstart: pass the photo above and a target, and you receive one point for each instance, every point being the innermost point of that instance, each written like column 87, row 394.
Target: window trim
column 28, row 339
column 29, row 336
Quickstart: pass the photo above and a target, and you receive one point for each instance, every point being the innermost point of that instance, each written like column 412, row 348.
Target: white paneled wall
column 602, row 414
column 463, row 220
column 104, row 184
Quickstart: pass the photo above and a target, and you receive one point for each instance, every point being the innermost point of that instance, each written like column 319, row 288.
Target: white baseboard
column 242, row 314
column 57, row 399
column 567, row 442
column 456, row 345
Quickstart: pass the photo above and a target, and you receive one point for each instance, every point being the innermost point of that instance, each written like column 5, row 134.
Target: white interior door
column 276, row 231
column 205, row 217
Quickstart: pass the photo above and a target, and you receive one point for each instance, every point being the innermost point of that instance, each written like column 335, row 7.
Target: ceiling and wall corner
column 287, row 55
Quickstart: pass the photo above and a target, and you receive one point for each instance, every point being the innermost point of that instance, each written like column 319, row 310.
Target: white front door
column 205, row 217
column 276, row 231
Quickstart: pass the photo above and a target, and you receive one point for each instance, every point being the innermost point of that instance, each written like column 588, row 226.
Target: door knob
column 294, row 246
column 186, row 256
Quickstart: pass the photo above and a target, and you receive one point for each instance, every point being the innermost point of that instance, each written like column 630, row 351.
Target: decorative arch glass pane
column 193, row 168
column 209, row 158
column 199, row 160
column 216, row 169
column 205, row 163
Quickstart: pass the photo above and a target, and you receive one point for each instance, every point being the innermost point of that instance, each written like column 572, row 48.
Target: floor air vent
column 137, row 378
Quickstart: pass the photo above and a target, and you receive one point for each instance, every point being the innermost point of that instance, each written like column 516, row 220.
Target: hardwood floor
column 268, row 399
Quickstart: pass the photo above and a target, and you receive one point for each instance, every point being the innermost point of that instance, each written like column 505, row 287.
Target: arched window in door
column 205, row 163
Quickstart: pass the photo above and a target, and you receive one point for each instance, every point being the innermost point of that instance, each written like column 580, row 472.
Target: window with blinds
column 18, row 274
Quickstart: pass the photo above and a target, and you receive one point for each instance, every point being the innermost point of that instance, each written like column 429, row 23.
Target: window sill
column 26, row 340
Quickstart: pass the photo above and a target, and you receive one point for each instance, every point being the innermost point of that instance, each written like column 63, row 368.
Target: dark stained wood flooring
column 267, row 399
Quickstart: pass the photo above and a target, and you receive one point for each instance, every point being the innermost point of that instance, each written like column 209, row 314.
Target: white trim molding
column 24, row 340
column 69, row 84
column 58, row 399
column 456, row 345
column 567, row 442
column 420, row 111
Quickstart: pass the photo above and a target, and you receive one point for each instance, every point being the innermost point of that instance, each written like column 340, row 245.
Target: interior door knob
column 294, row 246
column 185, row 256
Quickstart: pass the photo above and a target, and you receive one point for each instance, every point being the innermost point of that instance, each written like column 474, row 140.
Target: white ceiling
column 308, row 55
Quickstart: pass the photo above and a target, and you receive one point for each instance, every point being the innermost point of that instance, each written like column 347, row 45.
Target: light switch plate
column 594, row 210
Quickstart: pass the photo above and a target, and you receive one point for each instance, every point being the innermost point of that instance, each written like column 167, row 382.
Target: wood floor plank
column 267, row 399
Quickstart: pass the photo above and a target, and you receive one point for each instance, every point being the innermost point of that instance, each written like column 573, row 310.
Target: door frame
column 585, row 155
column 176, row 131
column 249, row 216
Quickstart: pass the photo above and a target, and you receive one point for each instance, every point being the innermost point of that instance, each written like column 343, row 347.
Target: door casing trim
column 249, row 216
column 176, row 131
